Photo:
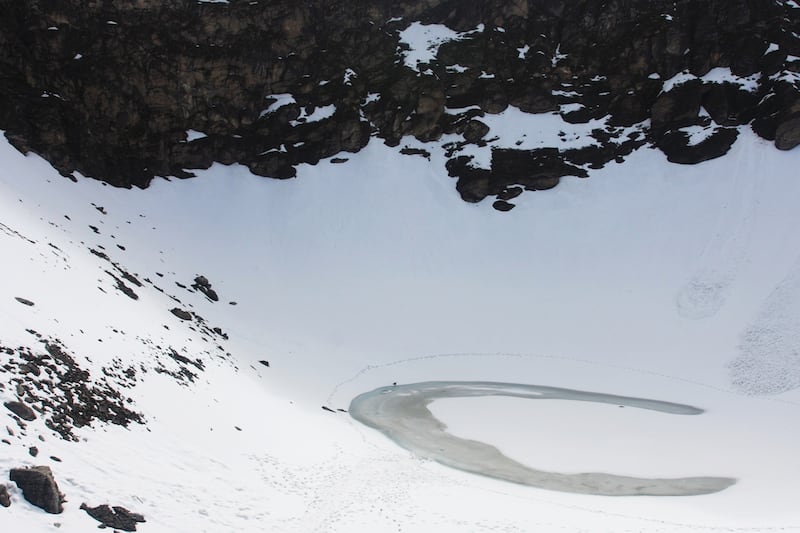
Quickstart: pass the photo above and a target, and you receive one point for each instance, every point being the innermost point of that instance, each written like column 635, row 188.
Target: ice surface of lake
column 401, row 413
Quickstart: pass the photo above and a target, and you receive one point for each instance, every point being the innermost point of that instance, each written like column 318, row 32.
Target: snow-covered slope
column 649, row 279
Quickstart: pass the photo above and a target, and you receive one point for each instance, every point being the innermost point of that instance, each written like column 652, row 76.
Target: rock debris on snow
column 67, row 395
column 116, row 517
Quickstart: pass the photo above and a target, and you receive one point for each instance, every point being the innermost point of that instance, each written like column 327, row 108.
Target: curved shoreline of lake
column 401, row 413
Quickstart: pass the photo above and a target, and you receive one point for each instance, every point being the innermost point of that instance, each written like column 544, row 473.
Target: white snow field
column 652, row 280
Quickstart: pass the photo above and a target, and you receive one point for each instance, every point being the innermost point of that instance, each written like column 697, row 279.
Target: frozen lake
column 401, row 413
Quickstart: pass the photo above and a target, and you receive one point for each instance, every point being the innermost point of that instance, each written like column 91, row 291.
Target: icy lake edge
column 401, row 413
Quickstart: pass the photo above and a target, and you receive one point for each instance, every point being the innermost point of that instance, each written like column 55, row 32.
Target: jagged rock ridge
column 124, row 92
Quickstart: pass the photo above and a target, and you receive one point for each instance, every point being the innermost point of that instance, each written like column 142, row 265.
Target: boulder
column 474, row 186
column 537, row 169
column 534, row 100
column 21, row 410
column 202, row 284
column 502, row 205
column 729, row 104
column 180, row 313
column 39, row 487
column 675, row 145
column 473, row 183
column 114, row 517
column 273, row 165
column 678, row 107
column 510, row 193
column 475, row 130
column 787, row 134
column 5, row 499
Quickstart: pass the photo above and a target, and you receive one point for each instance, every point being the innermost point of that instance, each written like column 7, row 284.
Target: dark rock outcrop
column 39, row 487
column 21, row 410
column 114, row 517
column 112, row 90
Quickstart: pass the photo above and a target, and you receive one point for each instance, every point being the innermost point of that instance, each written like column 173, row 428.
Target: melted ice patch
column 401, row 413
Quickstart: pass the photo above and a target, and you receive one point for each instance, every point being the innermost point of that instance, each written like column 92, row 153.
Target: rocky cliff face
column 110, row 89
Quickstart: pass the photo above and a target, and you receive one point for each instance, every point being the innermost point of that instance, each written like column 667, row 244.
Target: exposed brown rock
column 475, row 131
column 21, row 410
column 116, row 517
column 787, row 134
column 39, row 487
column 678, row 107
column 5, row 498
column 510, row 193
column 502, row 205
